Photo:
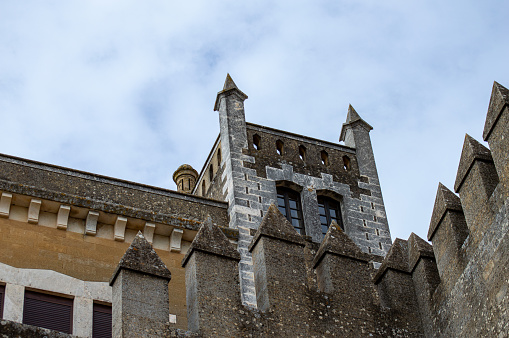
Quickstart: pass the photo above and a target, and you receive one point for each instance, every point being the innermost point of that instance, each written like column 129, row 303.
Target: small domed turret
column 185, row 178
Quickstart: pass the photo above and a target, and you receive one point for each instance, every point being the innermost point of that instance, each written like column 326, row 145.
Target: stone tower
column 261, row 166
column 185, row 178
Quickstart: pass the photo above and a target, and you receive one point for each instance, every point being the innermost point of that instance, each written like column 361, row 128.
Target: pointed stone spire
column 229, row 88
column 337, row 242
column 352, row 115
column 211, row 239
column 353, row 119
column 141, row 257
column 228, row 83
column 275, row 225
column 499, row 100
column 418, row 248
column 445, row 200
column 472, row 151
column 396, row 259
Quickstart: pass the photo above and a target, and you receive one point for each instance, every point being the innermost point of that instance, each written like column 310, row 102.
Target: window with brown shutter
column 101, row 326
column 48, row 311
column 2, row 293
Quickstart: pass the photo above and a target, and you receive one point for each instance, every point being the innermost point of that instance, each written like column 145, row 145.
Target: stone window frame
column 84, row 293
column 329, row 194
column 288, row 192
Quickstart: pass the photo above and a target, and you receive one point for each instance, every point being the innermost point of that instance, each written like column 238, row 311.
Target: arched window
column 279, row 147
column 302, row 152
column 257, row 142
column 219, row 157
column 211, row 172
column 329, row 210
column 288, row 202
column 203, row 187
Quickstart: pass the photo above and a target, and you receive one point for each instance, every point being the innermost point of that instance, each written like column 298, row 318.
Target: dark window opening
column 188, row 183
column 372, row 205
column 279, row 147
column 367, row 237
column 288, row 202
column 369, row 249
column 211, row 172
column 203, row 188
column 346, row 162
column 48, row 311
column 257, row 142
column 377, row 232
column 302, row 153
column 101, row 323
column 380, row 245
column 325, row 157
column 329, row 210
column 219, row 157
column 2, row 293
column 374, row 218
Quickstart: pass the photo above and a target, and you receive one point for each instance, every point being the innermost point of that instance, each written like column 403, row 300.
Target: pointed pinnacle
column 445, row 200
column 141, row 257
column 228, row 83
column 352, row 115
column 499, row 99
column 472, row 150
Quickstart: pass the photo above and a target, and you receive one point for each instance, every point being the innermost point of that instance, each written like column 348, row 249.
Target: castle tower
column 185, row 178
column 312, row 182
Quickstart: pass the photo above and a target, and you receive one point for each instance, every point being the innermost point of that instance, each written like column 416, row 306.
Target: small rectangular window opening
column 367, row 237
column 362, row 209
column 372, row 205
column 2, row 293
column 261, row 213
column 364, row 222
column 380, row 245
column 101, row 322
column 48, row 311
column 377, row 232
column 247, row 190
column 374, row 218
column 259, row 187
column 279, row 147
column 248, row 204
column 260, row 199
column 369, row 249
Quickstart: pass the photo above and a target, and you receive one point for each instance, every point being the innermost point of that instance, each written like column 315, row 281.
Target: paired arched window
column 329, row 210
column 288, row 202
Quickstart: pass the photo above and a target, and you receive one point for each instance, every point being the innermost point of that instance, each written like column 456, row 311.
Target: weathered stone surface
column 444, row 201
column 498, row 101
column 418, row 248
column 472, row 151
column 142, row 258
column 337, row 242
column 396, row 259
column 275, row 225
column 107, row 194
column 10, row 329
column 212, row 240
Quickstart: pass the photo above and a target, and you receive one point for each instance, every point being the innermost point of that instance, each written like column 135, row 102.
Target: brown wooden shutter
column 48, row 311
column 2, row 293
column 102, row 321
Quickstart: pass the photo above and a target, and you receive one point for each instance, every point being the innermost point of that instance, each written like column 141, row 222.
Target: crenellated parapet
column 342, row 297
column 470, row 235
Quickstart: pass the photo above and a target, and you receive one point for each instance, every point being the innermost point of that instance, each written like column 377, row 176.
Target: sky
column 126, row 88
